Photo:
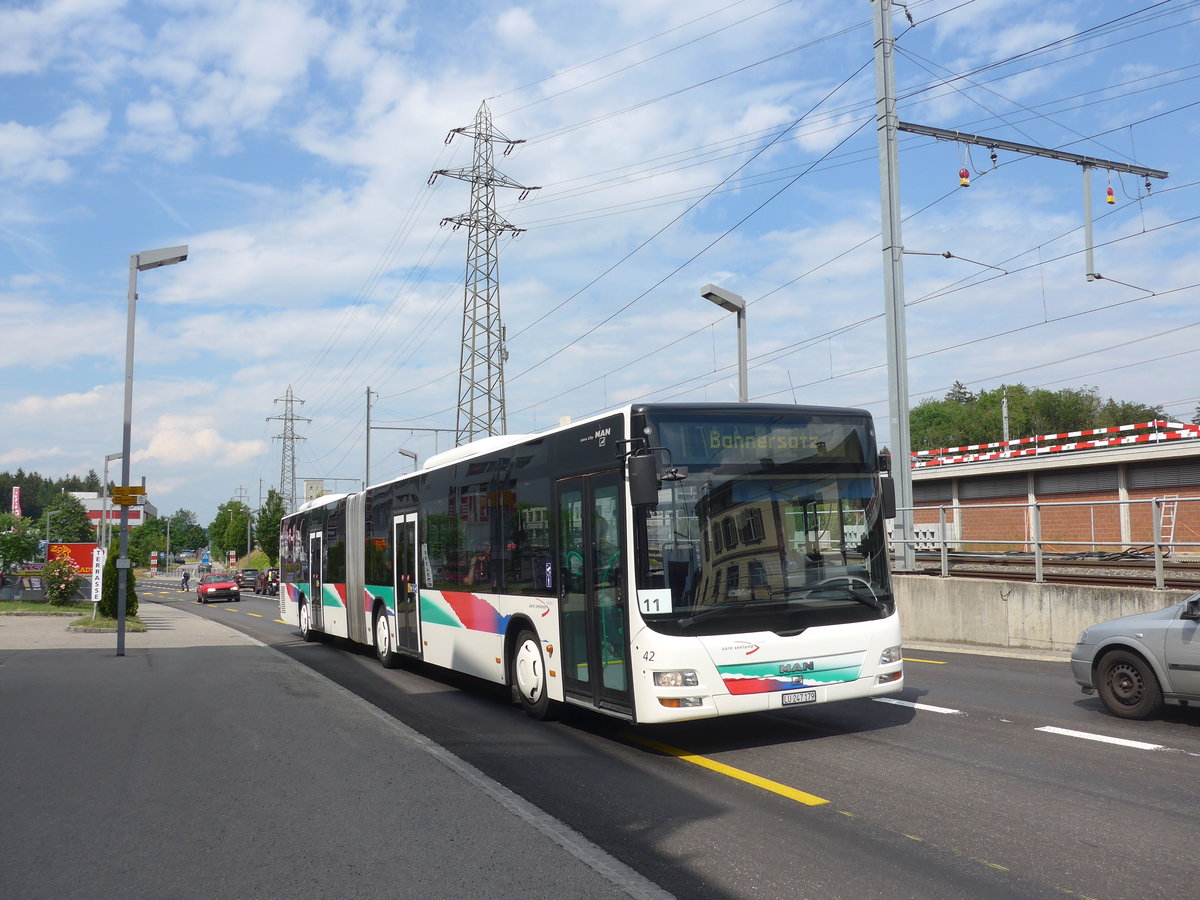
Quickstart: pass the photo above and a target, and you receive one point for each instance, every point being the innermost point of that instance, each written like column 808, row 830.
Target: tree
column 229, row 528
column 958, row 393
column 18, row 542
column 266, row 525
column 963, row 418
column 1196, row 417
column 150, row 535
column 68, row 519
column 186, row 532
column 109, row 586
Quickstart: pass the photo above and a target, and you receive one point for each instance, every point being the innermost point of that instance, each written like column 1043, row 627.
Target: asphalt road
column 992, row 777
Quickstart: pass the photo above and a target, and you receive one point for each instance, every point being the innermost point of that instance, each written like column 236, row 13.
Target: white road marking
column 924, row 707
column 1088, row 736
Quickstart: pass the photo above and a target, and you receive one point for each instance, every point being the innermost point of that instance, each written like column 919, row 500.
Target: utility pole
column 481, row 408
column 287, row 459
column 367, row 470
column 893, row 280
column 888, row 125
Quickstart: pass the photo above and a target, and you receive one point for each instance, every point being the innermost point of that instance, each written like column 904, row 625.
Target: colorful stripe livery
column 461, row 609
column 784, row 675
column 333, row 595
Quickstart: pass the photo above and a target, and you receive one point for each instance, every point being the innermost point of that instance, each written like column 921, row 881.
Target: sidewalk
column 205, row 764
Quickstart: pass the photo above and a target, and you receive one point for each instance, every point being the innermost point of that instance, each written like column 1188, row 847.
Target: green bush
column 60, row 581
column 108, row 590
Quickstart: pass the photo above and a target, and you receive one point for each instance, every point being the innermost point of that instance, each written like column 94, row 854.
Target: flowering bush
column 60, row 580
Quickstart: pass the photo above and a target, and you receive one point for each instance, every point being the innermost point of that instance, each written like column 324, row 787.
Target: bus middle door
column 316, row 591
column 592, row 597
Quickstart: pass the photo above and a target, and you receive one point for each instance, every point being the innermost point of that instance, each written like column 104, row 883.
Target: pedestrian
column 185, row 580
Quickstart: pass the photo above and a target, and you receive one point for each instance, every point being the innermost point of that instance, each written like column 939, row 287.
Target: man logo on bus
column 789, row 667
column 602, row 436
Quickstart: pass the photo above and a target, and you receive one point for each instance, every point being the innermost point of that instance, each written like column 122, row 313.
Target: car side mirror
column 1191, row 609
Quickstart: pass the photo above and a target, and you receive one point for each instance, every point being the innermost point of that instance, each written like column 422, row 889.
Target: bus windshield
column 773, row 524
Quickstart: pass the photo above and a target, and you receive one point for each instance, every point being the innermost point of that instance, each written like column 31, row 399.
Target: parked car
column 1137, row 663
column 247, row 579
column 268, row 582
column 218, row 586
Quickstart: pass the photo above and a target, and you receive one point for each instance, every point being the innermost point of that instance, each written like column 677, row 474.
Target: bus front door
column 316, row 561
column 595, row 643
column 407, row 574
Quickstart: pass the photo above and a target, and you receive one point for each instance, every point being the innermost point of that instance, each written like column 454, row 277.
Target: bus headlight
column 889, row 656
column 676, row 678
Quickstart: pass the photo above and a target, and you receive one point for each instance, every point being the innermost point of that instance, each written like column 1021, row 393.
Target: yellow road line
column 256, row 615
column 932, row 662
column 741, row 775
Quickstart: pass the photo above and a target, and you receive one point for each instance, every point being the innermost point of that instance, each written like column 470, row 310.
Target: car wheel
column 527, row 675
column 306, row 629
column 1127, row 685
column 383, row 642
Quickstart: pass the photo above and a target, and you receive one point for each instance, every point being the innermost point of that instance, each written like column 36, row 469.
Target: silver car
column 1139, row 662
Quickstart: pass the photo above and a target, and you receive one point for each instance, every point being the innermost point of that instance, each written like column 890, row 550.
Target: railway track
column 1123, row 570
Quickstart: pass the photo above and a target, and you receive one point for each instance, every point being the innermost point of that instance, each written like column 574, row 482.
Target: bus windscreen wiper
column 805, row 589
column 728, row 606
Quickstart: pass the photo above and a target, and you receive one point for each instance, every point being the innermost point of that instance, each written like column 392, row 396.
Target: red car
column 218, row 586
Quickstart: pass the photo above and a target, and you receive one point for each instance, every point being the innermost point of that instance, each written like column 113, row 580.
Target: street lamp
column 731, row 302
column 138, row 262
column 104, row 529
column 410, row 455
column 50, row 514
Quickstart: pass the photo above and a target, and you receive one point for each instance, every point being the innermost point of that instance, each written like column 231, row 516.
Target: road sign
column 127, row 495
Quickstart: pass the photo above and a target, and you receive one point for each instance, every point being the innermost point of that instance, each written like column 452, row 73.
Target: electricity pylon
column 481, row 361
column 287, row 462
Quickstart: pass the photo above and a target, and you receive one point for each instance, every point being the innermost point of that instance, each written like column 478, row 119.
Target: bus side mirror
column 888, row 497
column 643, row 479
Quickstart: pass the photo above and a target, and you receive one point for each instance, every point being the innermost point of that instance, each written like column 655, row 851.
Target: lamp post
column 104, row 529
column 50, row 514
column 138, row 262
column 731, row 302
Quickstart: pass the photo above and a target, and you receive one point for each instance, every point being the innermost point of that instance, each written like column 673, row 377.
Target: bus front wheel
column 527, row 675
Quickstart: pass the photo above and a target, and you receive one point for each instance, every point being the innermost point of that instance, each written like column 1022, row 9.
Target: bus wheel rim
column 382, row 637
column 530, row 677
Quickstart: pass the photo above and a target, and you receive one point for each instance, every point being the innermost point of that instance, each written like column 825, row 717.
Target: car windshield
column 214, row 578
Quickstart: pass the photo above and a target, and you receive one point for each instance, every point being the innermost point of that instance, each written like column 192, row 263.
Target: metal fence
column 1057, row 532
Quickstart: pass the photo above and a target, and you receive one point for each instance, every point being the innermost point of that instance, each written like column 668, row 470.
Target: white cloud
column 181, row 440
column 31, row 154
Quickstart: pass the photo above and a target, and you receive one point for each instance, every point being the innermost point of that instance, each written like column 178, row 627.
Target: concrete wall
column 1014, row 614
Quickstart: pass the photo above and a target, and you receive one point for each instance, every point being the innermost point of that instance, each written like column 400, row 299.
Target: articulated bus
column 660, row 563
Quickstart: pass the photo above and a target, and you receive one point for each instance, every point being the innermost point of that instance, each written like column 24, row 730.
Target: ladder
column 1169, row 505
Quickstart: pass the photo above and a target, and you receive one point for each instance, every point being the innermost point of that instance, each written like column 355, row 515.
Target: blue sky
column 289, row 145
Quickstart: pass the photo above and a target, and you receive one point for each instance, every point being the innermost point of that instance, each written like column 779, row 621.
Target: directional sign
column 127, row 495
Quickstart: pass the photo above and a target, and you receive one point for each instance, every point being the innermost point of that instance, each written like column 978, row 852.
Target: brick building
column 1099, row 490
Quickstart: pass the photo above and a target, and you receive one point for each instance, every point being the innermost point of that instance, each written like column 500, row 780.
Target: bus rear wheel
column 527, row 675
column 306, row 629
column 383, row 641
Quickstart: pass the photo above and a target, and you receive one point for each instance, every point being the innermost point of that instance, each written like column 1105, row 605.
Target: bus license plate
column 791, row 699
